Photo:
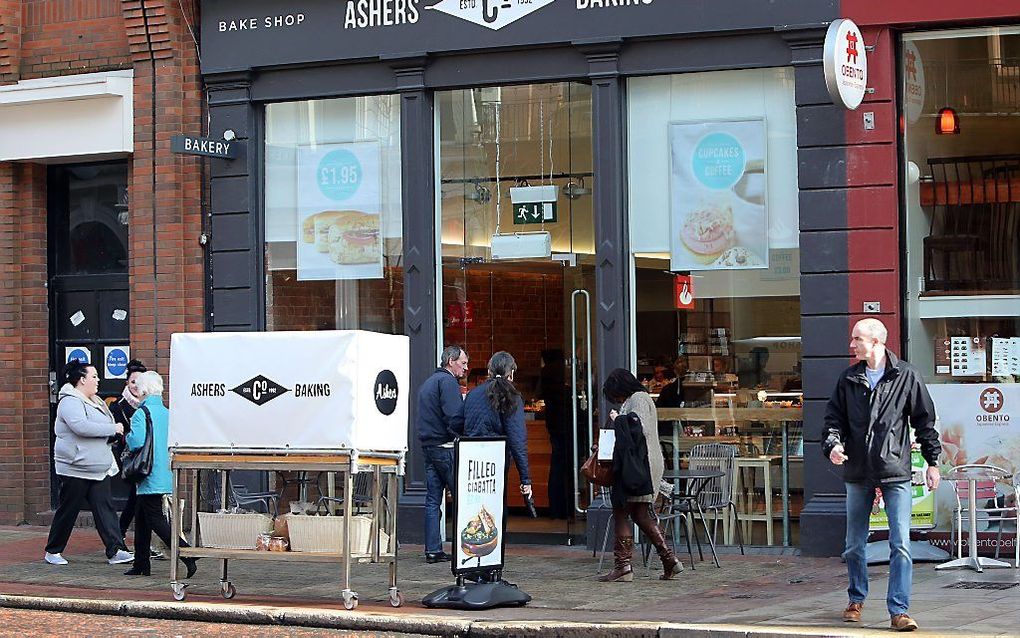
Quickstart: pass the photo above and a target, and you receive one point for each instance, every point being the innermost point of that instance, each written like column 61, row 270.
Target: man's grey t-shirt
column 874, row 376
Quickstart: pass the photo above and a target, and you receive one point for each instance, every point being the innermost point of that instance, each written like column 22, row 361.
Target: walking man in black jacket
column 868, row 420
column 440, row 419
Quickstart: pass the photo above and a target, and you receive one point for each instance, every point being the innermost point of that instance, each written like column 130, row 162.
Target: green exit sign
column 535, row 213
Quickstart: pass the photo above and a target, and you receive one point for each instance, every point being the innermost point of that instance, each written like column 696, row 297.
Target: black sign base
column 477, row 596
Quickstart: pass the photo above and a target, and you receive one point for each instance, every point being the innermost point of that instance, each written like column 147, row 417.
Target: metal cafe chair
column 717, row 495
column 989, row 508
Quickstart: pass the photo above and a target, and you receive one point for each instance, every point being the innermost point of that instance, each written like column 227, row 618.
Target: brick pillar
column 10, row 40
column 24, row 338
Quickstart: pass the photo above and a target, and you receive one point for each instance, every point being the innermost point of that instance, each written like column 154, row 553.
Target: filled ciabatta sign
column 845, row 60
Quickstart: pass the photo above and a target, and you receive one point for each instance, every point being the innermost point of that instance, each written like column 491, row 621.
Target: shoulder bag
column 596, row 471
column 137, row 464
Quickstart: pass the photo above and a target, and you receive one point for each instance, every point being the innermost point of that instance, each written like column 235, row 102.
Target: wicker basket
column 232, row 531
column 326, row 534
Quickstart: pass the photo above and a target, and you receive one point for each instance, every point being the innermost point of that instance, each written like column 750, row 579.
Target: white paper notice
column 77, row 318
column 1005, row 356
column 607, row 441
column 120, row 315
column 969, row 356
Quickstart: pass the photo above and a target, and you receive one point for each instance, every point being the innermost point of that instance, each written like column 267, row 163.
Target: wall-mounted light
column 947, row 122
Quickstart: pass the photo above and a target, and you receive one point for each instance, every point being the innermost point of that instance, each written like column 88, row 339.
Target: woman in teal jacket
column 149, row 505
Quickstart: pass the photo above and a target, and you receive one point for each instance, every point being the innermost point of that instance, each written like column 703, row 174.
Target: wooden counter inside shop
column 539, row 458
column 731, row 416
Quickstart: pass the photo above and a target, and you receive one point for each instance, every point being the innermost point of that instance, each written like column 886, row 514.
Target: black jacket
column 122, row 413
column 480, row 419
column 873, row 426
column 440, row 417
column 631, row 473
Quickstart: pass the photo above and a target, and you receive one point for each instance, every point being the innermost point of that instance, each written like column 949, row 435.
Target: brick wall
column 311, row 305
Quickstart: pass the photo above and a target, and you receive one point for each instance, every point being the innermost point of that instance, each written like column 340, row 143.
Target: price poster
column 339, row 212
column 968, row 356
column 1005, row 356
column 922, row 508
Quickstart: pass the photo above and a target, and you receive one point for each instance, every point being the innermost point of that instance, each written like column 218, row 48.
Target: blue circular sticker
column 339, row 175
column 78, row 354
column 718, row 161
column 116, row 362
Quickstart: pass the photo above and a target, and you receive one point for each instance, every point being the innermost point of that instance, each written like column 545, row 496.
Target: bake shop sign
column 339, row 211
column 845, row 63
column 480, row 504
column 718, row 199
column 204, row 146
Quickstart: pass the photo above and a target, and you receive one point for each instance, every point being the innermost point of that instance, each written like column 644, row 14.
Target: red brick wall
column 10, row 39
column 24, row 355
column 311, row 305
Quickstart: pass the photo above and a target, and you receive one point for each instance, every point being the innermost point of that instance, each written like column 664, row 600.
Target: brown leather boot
column 622, row 572
column 671, row 565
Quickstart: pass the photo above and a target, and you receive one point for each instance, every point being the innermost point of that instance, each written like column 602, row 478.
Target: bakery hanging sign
column 339, row 207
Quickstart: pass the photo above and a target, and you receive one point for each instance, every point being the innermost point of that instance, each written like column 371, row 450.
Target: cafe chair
column 670, row 518
column 717, row 495
column 992, row 508
column 242, row 497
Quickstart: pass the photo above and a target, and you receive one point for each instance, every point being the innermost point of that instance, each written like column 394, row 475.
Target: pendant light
column 947, row 122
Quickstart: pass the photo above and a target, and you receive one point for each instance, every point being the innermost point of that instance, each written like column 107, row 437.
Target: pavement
column 754, row 595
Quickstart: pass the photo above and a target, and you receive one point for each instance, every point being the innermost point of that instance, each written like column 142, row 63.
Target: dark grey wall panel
column 820, row 375
column 814, row 419
column 231, row 167
column 824, row 293
column 234, row 306
column 810, row 87
column 231, row 232
column 654, row 57
column 823, row 209
column 507, row 67
column 232, row 269
column 331, row 80
column 822, row 167
column 230, row 116
column 230, row 194
column 821, row 125
column 823, row 252
column 824, row 335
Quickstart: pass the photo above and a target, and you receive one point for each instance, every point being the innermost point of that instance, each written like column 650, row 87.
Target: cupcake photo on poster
column 339, row 204
column 718, row 212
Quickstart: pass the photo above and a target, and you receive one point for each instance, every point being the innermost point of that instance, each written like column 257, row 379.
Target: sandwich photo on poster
column 480, row 504
column 339, row 212
column 718, row 203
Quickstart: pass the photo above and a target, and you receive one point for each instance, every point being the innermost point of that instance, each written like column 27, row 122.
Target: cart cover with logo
column 324, row 390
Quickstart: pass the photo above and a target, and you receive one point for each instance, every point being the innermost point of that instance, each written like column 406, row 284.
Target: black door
column 88, row 276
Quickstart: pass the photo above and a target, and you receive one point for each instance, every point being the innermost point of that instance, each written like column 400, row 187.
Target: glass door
column 517, row 242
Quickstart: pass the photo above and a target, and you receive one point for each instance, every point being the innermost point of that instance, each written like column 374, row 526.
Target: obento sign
column 846, row 63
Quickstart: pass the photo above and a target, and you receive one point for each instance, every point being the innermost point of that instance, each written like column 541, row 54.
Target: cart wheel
column 228, row 590
column 350, row 603
column 179, row 590
column 396, row 599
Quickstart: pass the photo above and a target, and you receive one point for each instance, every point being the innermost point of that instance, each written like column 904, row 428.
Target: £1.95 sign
column 845, row 60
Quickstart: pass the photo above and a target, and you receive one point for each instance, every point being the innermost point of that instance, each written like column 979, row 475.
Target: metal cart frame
column 347, row 463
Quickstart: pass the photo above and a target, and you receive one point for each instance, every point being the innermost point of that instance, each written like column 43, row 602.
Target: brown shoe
column 903, row 622
column 852, row 613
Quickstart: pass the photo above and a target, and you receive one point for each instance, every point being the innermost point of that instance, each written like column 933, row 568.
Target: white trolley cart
column 328, row 401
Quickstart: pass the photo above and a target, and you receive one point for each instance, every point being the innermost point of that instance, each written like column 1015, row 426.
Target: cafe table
column 972, row 474
column 688, row 485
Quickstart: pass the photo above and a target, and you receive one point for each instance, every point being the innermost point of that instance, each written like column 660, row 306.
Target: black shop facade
column 586, row 184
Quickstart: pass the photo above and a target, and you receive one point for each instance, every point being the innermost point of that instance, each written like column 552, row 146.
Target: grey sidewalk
column 747, row 594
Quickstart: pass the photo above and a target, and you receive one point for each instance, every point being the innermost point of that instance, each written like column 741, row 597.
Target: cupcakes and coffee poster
column 718, row 211
column 339, row 203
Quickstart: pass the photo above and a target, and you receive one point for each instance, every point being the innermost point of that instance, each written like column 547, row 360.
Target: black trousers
column 73, row 494
column 128, row 514
column 148, row 519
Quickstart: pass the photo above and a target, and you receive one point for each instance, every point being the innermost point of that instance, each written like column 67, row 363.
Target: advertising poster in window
column 922, row 504
column 718, row 202
column 481, row 505
column 339, row 209
column 979, row 423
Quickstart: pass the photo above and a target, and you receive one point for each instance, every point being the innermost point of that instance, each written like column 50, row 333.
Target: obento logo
column 992, row 400
column 260, row 390
column 385, row 392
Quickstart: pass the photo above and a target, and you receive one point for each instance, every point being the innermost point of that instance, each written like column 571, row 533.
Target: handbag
column 137, row 464
column 596, row 471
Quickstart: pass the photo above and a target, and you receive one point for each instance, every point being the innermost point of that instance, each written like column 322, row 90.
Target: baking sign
column 480, row 506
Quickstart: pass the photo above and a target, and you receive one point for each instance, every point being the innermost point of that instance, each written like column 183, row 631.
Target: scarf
column 131, row 399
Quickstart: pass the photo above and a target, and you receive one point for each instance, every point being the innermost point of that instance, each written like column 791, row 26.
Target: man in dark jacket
column 868, row 421
column 439, row 420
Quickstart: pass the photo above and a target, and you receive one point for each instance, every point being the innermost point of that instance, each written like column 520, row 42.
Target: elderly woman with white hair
column 149, row 518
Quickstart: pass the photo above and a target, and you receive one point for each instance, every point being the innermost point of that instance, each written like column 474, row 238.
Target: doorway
column 516, row 161
column 87, row 212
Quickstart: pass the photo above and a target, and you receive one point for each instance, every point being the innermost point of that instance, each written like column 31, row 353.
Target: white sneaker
column 55, row 559
column 121, row 557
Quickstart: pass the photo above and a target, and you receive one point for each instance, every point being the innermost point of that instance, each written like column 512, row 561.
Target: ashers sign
column 845, row 61
column 192, row 145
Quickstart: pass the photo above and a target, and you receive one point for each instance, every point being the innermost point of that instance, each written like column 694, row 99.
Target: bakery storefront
column 586, row 184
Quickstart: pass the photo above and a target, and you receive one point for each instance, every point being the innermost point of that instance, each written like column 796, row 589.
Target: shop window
column 962, row 202
column 333, row 215
column 92, row 237
column 714, row 227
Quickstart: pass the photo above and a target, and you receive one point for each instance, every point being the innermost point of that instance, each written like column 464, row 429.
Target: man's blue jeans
column 859, row 497
column 438, row 475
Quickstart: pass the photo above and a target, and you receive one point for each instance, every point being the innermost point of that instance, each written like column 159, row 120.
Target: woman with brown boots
column 637, row 471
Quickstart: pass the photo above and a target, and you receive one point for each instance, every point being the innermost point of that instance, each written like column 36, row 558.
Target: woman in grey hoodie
column 84, row 463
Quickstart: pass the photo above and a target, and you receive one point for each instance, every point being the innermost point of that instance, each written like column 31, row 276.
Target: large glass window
column 713, row 213
column 961, row 108
column 333, row 215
